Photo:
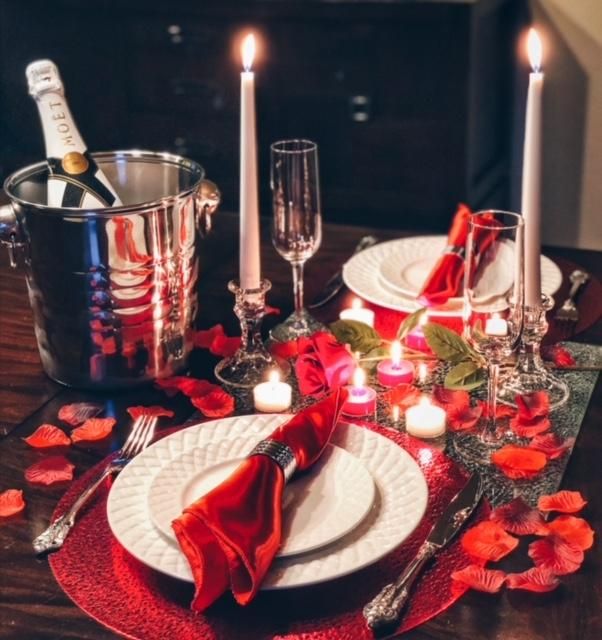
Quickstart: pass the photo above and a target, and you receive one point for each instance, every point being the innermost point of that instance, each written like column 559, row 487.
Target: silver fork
column 140, row 437
column 568, row 313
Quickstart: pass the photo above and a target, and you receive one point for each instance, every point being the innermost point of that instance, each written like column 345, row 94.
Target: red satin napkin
column 231, row 535
column 445, row 280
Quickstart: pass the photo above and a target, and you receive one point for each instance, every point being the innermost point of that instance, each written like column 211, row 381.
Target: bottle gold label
column 74, row 163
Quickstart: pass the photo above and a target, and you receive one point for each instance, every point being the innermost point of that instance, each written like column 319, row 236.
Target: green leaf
column 465, row 376
column 378, row 352
column 409, row 323
column 360, row 336
column 446, row 344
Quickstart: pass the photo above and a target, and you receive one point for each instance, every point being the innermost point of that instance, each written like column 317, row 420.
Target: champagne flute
column 297, row 223
column 493, row 308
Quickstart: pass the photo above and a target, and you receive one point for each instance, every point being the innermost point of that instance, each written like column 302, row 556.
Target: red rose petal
column 562, row 501
column 285, row 350
column 475, row 577
column 202, row 339
column 446, row 397
column 488, row 541
column 519, row 462
column 537, row 579
column 154, row 410
column 501, row 410
column 556, row 554
column 216, row 404
column 272, row 311
column 225, row 347
column 188, row 386
column 47, row 435
column 529, row 428
column 573, row 530
column 50, row 470
column 551, row 445
column 405, row 395
column 533, row 405
column 11, row 502
column 560, row 356
column 78, row 412
column 519, row 518
column 463, row 418
column 93, row 429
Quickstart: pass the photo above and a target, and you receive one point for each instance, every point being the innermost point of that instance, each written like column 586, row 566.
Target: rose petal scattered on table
column 488, row 541
column 188, row 386
column 47, row 435
column 289, row 349
column 154, row 410
column 11, row 502
column 447, row 397
column 537, row 579
column 480, row 579
column 224, row 346
column 463, row 418
column 216, row 404
column 204, row 337
column 560, row 356
column 562, row 501
column 533, row 405
column 529, row 428
column 519, row 518
column 501, row 410
column 78, row 412
column 50, row 470
column 557, row 555
column 551, row 445
column 271, row 311
column 573, row 530
column 405, row 395
column 519, row 462
column 93, row 429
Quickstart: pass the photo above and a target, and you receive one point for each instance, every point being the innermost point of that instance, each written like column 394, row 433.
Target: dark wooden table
column 31, row 603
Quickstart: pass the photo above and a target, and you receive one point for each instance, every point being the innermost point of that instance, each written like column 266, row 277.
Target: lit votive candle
column 358, row 312
column 272, row 396
column 361, row 400
column 416, row 339
column 496, row 326
column 425, row 420
column 394, row 370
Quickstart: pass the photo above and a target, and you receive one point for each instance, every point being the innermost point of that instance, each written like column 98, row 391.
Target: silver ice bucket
column 113, row 291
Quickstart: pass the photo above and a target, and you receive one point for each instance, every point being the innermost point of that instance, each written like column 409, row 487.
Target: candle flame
column 359, row 378
column 424, row 318
column 274, row 377
column 356, row 303
column 424, row 401
column 422, row 372
column 396, row 352
column 395, row 413
column 248, row 52
column 534, row 47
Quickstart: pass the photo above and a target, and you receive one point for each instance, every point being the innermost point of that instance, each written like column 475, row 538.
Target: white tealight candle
column 358, row 312
column 272, row 396
column 425, row 420
column 496, row 326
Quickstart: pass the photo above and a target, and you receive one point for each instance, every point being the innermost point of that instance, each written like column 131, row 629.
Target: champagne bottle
column 74, row 177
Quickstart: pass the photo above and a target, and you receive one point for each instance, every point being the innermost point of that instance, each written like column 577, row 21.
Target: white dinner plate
column 400, row 500
column 318, row 506
column 391, row 274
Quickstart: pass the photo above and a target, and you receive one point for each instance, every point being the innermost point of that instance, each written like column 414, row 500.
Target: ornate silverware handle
column 387, row 606
column 54, row 536
column 578, row 279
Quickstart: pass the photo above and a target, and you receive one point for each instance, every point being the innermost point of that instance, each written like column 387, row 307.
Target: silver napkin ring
column 453, row 249
column 280, row 453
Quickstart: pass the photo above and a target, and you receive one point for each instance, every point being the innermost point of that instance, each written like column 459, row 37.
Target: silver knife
column 385, row 609
column 335, row 283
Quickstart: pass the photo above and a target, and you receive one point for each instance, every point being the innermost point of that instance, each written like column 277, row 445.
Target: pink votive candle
column 394, row 371
column 416, row 339
column 361, row 400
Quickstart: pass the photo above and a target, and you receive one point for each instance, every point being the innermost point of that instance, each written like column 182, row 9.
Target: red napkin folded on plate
column 445, row 279
column 231, row 535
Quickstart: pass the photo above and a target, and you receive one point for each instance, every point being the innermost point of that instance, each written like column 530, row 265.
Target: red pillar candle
column 394, row 371
column 361, row 400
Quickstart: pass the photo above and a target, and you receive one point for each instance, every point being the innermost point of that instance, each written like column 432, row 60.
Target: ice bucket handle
column 206, row 202
column 10, row 232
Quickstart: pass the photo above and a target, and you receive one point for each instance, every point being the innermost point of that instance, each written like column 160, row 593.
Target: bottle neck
column 61, row 134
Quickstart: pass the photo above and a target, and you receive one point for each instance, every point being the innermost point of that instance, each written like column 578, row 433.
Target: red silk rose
column 323, row 364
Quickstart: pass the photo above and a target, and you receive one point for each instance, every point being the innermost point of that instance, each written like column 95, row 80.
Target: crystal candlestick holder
column 530, row 374
column 252, row 363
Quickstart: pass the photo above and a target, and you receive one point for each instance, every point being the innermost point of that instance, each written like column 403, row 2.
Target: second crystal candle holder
column 252, row 363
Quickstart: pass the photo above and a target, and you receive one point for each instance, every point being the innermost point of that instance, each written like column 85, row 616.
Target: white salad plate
column 399, row 502
column 391, row 274
column 317, row 509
